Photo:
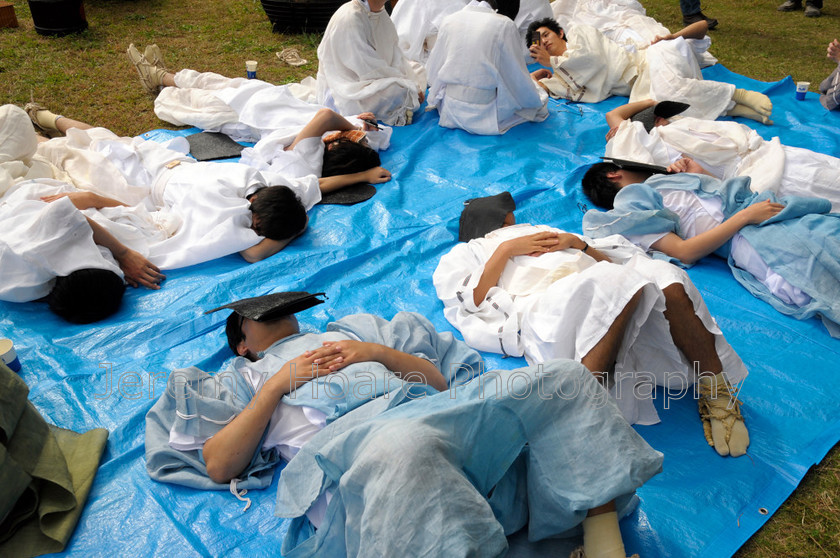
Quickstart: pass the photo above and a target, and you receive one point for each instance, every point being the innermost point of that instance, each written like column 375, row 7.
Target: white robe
column 625, row 23
column 560, row 304
column 40, row 241
column 361, row 67
column 197, row 211
column 255, row 111
column 245, row 109
column 477, row 77
column 728, row 149
column 19, row 160
column 594, row 68
column 417, row 23
column 210, row 200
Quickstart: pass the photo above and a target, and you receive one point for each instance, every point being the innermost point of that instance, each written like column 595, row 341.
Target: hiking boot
column 700, row 16
column 790, row 6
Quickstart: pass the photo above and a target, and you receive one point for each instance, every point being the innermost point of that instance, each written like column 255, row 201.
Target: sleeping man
column 690, row 215
column 199, row 211
column 542, row 293
column 725, row 149
column 54, row 251
column 588, row 67
column 387, row 432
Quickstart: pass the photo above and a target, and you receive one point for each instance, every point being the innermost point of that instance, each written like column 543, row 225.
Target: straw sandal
column 291, row 56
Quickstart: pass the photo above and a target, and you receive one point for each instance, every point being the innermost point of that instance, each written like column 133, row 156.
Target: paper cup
column 801, row 89
column 251, row 69
column 8, row 354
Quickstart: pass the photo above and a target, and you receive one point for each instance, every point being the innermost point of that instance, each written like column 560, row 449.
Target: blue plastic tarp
column 379, row 257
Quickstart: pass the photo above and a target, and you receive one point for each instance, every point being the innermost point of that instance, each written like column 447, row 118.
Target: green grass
column 87, row 76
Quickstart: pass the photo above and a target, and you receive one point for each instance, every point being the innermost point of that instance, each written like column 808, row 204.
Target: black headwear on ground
column 349, row 195
column 272, row 306
column 482, row 215
column 663, row 109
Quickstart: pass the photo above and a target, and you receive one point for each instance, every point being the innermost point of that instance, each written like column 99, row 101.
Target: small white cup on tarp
column 801, row 89
column 8, row 354
column 251, row 69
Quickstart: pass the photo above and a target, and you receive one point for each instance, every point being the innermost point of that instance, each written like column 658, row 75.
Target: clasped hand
column 539, row 243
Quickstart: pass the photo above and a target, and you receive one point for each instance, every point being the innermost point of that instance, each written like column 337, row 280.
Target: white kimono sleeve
column 491, row 326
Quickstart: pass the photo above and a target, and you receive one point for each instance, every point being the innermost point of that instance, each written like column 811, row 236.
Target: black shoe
column 790, row 6
column 699, row 16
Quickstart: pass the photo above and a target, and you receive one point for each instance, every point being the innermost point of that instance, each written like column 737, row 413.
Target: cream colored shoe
column 150, row 75
column 291, row 56
column 154, row 57
column 759, row 102
column 720, row 410
column 42, row 119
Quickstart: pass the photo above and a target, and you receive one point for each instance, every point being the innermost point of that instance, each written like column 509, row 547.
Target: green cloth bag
column 45, row 474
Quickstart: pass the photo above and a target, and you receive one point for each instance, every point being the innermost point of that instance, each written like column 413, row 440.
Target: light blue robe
column 453, row 473
column 801, row 243
column 199, row 404
column 414, row 471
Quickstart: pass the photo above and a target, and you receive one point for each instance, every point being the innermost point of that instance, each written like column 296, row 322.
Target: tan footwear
column 759, row 102
column 154, row 57
column 42, row 119
column 720, row 411
column 150, row 75
column 291, row 56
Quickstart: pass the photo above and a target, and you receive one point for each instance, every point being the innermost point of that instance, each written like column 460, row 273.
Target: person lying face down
column 429, row 444
column 689, row 215
column 542, row 293
column 218, row 208
column 53, row 252
column 588, row 67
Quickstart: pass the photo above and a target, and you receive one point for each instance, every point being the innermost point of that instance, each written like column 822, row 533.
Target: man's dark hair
column 86, row 295
column 278, row 213
column 547, row 22
column 233, row 330
column 598, row 188
column 509, row 8
column 347, row 157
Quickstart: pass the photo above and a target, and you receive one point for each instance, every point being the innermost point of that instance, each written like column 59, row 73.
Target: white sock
column 602, row 537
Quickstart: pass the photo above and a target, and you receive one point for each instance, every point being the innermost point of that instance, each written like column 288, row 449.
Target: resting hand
column 611, row 134
column 532, row 244
column 760, row 212
column 686, row 164
column 338, row 354
column 540, row 54
column 377, row 175
column 367, row 116
column 140, row 271
column 658, row 38
column 833, row 51
column 542, row 73
column 82, row 200
column 311, row 364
